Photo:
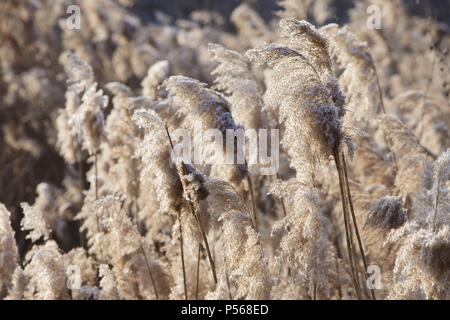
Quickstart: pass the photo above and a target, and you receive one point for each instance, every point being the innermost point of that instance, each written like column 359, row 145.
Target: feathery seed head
column 8, row 250
column 34, row 221
column 386, row 213
column 80, row 73
column 155, row 152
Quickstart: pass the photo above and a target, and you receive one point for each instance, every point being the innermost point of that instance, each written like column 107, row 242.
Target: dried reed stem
column 227, row 278
column 346, row 222
column 197, row 218
column 198, row 272
column 149, row 271
column 182, row 255
column 96, row 189
column 352, row 211
column 315, row 291
column 338, row 279
column 205, row 240
column 96, row 176
column 424, row 97
column 81, row 171
column 283, row 207
column 252, row 195
column 380, row 92
column 436, row 202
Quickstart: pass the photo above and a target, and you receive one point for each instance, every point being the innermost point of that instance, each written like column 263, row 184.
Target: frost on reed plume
column 96, row 202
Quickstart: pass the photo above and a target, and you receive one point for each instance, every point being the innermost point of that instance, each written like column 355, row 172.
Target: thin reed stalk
column 283, row 206
column 96, row 189
column 436, row 203
column 352, row 211
column 338, row 278
column 96, row 175
column 197, row 218
column 198, row 272
column 315, row 291
column 205, row 240
column 149, row 272
column 380, row 90
column 425, row 95
column 81, row 171
column 346, row 223
column 252, row 195
column 227, row 278
column 182, row 256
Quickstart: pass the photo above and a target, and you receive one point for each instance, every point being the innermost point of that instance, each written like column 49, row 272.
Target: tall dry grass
column 94, row 206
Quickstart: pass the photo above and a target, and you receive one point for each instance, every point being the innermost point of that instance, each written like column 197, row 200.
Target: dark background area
column 438, row 9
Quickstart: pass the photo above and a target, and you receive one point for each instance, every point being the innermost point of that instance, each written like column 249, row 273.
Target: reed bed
column 93, row 204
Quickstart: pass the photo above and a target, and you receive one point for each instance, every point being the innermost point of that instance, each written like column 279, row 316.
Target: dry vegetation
column 93, row 207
